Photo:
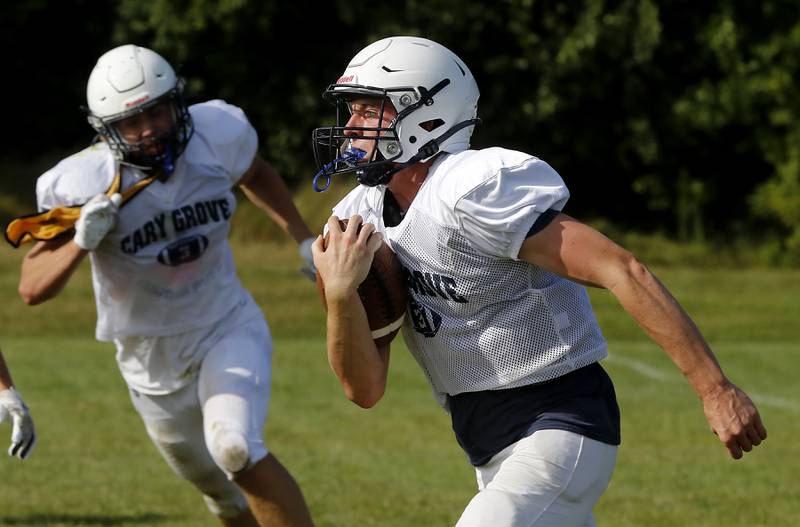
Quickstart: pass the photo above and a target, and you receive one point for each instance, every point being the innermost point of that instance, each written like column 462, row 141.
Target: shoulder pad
column 462, row 172
column 219, row 122
column 77, row 178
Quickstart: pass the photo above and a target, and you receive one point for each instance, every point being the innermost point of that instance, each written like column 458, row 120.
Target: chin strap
column 431, row 148
column 160, row 171
column 168, row 165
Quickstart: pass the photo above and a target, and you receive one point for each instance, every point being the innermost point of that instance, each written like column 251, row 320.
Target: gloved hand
column 23, row 435
column 309, row 272
column 98, row 217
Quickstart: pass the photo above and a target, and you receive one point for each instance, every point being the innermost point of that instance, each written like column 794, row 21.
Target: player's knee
column 230, row 450
column 492, row 507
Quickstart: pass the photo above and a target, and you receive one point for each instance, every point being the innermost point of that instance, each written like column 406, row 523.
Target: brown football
column 383, row 294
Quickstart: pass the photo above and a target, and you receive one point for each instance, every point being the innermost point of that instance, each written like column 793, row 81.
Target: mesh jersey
column 167, row 267
column 479, row 318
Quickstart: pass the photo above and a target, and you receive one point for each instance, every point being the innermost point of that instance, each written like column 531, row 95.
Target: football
column 383, row 294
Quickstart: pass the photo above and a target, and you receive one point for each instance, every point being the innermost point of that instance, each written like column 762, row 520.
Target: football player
column 511, row 347
column 191, row 343
column 23, row 433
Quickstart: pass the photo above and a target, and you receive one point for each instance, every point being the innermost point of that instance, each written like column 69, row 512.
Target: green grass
column 398, row 464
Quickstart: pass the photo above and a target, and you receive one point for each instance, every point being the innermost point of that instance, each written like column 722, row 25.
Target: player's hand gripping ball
column 383, row 293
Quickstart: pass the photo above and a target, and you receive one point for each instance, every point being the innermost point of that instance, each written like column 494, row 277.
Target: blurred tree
column 49, row 49
column 269, row 57
column 746, row 102
column 684, row 112
column 663, row 115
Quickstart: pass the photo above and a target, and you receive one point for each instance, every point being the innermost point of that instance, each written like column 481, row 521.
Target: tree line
column 665, row 116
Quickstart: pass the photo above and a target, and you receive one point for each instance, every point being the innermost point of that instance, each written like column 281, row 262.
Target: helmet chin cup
column 372, row 176
column 164, row 161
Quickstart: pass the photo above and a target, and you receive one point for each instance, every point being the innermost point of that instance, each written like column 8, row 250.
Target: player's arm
column 5, row 375
column 47, row 268
column 580, row 253
column 360, row 366
column 23, row 434
column 265, row 188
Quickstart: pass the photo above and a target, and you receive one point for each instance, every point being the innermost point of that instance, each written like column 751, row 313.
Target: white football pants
column 228, row 399
column 551, row 478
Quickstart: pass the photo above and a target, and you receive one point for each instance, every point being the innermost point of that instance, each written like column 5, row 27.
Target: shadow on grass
column 83, row 519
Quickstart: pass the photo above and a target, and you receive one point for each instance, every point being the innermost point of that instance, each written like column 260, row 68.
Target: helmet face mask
column 432, row 91
column 378, row 146
column 131, row 84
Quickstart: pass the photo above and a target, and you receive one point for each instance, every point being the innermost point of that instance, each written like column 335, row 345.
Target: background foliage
column 666, row 116
column 675, row 126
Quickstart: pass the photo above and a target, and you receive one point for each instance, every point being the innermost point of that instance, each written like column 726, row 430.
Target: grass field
column 398, row 464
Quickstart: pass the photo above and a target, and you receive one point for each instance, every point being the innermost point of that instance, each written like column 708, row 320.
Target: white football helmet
column 128, row 80
column 433, row 92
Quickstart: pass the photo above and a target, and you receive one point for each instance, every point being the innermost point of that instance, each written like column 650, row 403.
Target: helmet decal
column 137, row 100
column 347, row 79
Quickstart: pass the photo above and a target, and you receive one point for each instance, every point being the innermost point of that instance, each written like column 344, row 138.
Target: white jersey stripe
column 382, row 332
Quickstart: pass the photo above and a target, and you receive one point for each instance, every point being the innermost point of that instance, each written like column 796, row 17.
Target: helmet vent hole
column 430, row 126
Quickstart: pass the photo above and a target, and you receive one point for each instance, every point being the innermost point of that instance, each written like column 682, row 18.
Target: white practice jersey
column 166, row 269
column 479, row 318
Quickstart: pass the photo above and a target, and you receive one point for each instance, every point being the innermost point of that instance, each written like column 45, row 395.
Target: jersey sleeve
column 497, row 214
column 231, row 137
column 362, row 200
column 76, row 179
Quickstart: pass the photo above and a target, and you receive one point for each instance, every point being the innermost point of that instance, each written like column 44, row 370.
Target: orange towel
column 49, row 224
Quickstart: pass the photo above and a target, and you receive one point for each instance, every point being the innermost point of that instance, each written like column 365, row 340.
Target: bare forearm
column 268, row 192
column 665, row 321
column 578, row 252
column 359, row 365
column 731, row 414
column 47, row 268
column 5, row 375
